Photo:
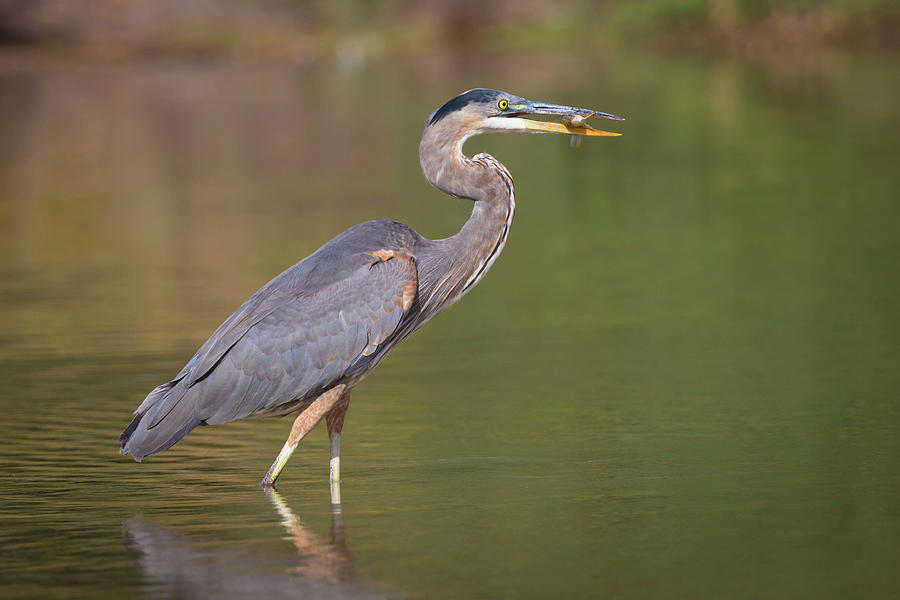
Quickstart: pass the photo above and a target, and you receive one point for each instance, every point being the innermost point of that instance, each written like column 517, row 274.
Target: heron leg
column 306, row 420
column 335, row 422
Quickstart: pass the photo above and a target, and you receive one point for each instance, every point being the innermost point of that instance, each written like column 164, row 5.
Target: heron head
column 483, row 110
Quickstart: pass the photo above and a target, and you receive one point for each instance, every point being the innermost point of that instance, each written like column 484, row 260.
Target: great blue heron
column 307, row 337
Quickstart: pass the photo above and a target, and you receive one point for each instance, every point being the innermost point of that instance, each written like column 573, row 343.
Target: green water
column 680, row 380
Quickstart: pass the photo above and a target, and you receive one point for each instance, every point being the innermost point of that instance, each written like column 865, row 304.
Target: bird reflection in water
column 183, row 566
column 326, row 562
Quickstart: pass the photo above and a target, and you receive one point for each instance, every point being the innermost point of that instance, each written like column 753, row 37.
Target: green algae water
column 680, row 380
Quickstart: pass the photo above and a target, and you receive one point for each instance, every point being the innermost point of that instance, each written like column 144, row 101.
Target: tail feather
column 126, row 435
column 143, row 437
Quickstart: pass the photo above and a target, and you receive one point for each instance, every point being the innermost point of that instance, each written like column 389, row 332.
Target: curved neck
column 459, row 262
column 449, row 170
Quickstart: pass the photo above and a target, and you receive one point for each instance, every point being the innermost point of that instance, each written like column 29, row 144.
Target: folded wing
column 282, row 346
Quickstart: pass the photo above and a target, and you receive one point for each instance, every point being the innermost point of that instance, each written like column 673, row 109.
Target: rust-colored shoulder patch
column 410, row 287
column 408, row 293
column 382, row 255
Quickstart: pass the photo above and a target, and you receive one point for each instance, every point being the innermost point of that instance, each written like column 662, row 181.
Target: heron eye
column 503, row 104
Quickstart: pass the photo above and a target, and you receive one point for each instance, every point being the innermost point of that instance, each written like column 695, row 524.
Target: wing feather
column 286, row 347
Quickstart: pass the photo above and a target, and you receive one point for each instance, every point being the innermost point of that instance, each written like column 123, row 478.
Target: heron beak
column 574, row 120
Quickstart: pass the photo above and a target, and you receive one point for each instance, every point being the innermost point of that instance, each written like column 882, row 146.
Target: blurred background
column 682, row 379
column 307, row 31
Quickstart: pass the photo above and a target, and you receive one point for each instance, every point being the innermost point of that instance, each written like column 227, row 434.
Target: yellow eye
column 503, row 104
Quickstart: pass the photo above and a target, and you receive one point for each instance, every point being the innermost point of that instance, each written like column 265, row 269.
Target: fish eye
column 503, row 104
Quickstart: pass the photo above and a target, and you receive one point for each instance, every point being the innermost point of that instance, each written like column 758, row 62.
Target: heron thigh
column 310, row 417
column 335, row 417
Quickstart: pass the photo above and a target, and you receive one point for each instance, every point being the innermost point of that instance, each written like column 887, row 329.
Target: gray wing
column 280, row 347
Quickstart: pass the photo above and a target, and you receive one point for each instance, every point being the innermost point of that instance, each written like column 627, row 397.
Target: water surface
column 680, row 380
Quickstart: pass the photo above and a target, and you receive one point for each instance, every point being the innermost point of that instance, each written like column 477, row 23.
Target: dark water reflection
column 680, row 380
column 176, row 565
